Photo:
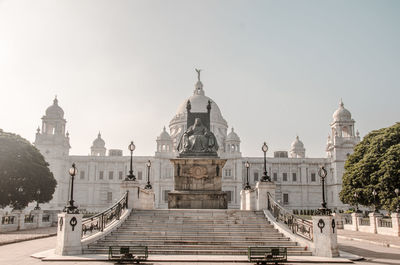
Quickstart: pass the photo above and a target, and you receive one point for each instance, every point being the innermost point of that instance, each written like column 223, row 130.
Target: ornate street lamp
column 374, row 193
column 265, row 177
column 355, row 198
column 322, row 174
column 131, row 148
column 148, row 186
column 71, row 208
column 37, row 200
column 397, row 191
column 247, row 165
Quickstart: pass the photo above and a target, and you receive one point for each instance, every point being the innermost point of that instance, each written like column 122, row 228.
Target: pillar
column 325, row 236
column 355, row 220
column 132, row 186
column 373, row 221
column 396, row 223
column 69, row 231
column 262, row 190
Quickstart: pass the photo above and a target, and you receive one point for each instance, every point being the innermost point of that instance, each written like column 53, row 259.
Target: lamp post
column 265, row 177
column 148, row 186
column 374, row 193
column 322, row 174
column 247, row 186
column 131, row 148
column 355, row 198
column 71, row 208
column 37, row 200
column 397, row 191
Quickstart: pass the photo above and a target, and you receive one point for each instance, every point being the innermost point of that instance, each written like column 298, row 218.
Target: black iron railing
column 97, row 223
column 295, row 223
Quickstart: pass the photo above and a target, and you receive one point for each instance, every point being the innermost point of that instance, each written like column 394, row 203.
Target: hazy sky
column 275, row 68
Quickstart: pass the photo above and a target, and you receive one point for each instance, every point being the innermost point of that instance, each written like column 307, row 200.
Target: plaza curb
column 370, row 241
column 26, row 239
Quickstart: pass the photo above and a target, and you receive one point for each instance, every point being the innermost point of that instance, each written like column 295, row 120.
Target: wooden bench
column 129, row 254
column 263, row 255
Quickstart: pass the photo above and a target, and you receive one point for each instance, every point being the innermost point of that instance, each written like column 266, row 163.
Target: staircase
column 196, row 232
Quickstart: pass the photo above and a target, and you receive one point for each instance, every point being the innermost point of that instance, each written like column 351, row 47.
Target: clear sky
column 275, row 68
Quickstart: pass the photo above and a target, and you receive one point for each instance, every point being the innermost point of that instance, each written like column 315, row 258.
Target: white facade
column 100, row 174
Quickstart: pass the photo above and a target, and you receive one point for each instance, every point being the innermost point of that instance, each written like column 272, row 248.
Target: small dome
column 55, row 111
column 99, row 142
column 164, row 136
column 341, row 114
column 297, row 144
column 232, row 136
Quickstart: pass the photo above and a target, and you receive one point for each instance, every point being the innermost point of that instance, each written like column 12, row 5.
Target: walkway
column 23, row 235
column 383, row 240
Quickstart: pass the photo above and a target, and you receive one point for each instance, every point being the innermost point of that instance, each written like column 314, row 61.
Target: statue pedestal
column 198, row 184
column 69, row 232
column 262, row 190
column 133, row 187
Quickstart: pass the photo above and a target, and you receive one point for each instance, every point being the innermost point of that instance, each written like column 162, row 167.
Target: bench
column 129, row 254
column 263, row 255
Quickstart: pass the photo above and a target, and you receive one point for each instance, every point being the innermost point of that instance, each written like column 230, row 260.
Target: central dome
column 199, row 102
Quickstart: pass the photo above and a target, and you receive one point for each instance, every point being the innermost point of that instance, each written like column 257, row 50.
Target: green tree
column 23, row 171
column 374, row 165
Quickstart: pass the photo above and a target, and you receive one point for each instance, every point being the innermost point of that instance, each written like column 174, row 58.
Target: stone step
column 196, row 234
column 182, row 251
column 149, row 242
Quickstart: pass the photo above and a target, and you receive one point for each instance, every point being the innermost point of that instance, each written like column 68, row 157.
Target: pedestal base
column 197, row 200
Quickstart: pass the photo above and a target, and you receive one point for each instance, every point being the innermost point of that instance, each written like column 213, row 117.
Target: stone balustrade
column 24, row 220
column 375, row 223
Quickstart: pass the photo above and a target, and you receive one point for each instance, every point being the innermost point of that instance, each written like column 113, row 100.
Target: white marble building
column 100, row 174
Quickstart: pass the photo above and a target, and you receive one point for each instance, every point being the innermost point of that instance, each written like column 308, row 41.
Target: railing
column 46, row 218
column 348, row 220
column 28, row 219
column 97, row 223
column 7, row 220
column 385, row 223
column 298, row 225
column 364, row 221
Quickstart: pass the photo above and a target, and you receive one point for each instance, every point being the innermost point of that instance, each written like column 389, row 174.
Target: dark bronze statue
column 197, row 139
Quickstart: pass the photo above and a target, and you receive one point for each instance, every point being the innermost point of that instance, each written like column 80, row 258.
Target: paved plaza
column 20, row 253
column 23, row 235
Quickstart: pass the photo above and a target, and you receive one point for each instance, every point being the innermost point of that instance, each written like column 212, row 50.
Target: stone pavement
column 383, row 240
column 23, row 235
column 20, row 253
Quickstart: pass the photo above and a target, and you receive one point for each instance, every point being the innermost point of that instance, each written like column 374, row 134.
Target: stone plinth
column 69, row 231
column 248, row 200
column 373, row 221
column 146, row 199
column 133, row 187
column 197, row 200
column 198, row 184
column 325, row 236
column 262, row 190
column 396, row 223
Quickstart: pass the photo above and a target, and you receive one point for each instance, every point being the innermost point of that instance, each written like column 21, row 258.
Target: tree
column 374, row 165
column 23, row 171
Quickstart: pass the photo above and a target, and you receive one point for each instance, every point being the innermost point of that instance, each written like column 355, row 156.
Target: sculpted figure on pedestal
column 198, row 139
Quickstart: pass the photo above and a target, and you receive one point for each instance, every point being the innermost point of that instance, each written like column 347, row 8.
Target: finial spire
column 341, row 103
column 198, row 73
